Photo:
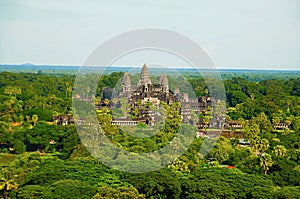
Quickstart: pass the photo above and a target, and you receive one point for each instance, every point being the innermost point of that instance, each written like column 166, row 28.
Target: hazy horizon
column 150, row 67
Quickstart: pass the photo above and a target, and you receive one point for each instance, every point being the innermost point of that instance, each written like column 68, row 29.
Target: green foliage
column 289, row 192
column 250, row 165
column 223, row 183
column 119, row 193
column 70, row 189
column 33, row 191
column 19, row 146
column 28, row 102
column 221, row 150
column 12, row 90
column 162, row 135
column 82, row 169
column 43, row 114
column 6, row 159
column 142, row 125
column 251, row 130
column 238, row 156
column 283, row 172
column 79, row 151
column 163, row 183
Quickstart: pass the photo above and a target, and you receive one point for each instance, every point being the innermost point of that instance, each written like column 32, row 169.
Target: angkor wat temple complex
column 145, row 90
column 139, row 97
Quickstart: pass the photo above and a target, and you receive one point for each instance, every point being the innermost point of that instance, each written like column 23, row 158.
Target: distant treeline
column 251, row 75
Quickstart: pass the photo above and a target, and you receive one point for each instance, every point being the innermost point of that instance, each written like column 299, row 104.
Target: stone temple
column 138, row 97
column 145, row 90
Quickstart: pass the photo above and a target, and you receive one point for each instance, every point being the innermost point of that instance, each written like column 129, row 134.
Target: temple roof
column 145, row 70
column 164, row 80
column 126, row 78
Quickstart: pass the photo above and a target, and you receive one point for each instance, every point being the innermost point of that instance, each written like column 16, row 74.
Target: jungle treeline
column 40, row 159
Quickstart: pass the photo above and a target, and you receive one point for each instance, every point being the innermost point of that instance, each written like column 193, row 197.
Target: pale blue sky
column 257, row 34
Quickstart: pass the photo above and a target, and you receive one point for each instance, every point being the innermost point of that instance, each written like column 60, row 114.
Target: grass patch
column 6, row 159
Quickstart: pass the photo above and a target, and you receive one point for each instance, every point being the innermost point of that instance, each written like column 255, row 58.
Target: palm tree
column 178, row 165
column 279, row 151
column 251, row 131
column 206, row 121
column 28, row 118
column 34, row 119
column 266, row 162
column 6, row 185
column 255, row 143
column 51, row 99
column 68, row 89
column 260, row 145
column 228, row 119
column 264, row 145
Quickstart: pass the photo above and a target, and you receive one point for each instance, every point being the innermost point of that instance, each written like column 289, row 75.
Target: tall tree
column 260, row 145
column 266, row 162
column 35, row 119
column 7, row 184
column 279, row 151
column 251, row 130
column 264, row 145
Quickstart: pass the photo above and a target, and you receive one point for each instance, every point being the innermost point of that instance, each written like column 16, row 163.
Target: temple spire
column 144, row 79
column 163, row 80
column 145, row 70
column 126, row 83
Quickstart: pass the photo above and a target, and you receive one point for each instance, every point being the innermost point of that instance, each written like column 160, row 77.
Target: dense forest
column 40, row 159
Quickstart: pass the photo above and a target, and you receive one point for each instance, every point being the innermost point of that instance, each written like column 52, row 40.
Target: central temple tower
column 144, row 79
